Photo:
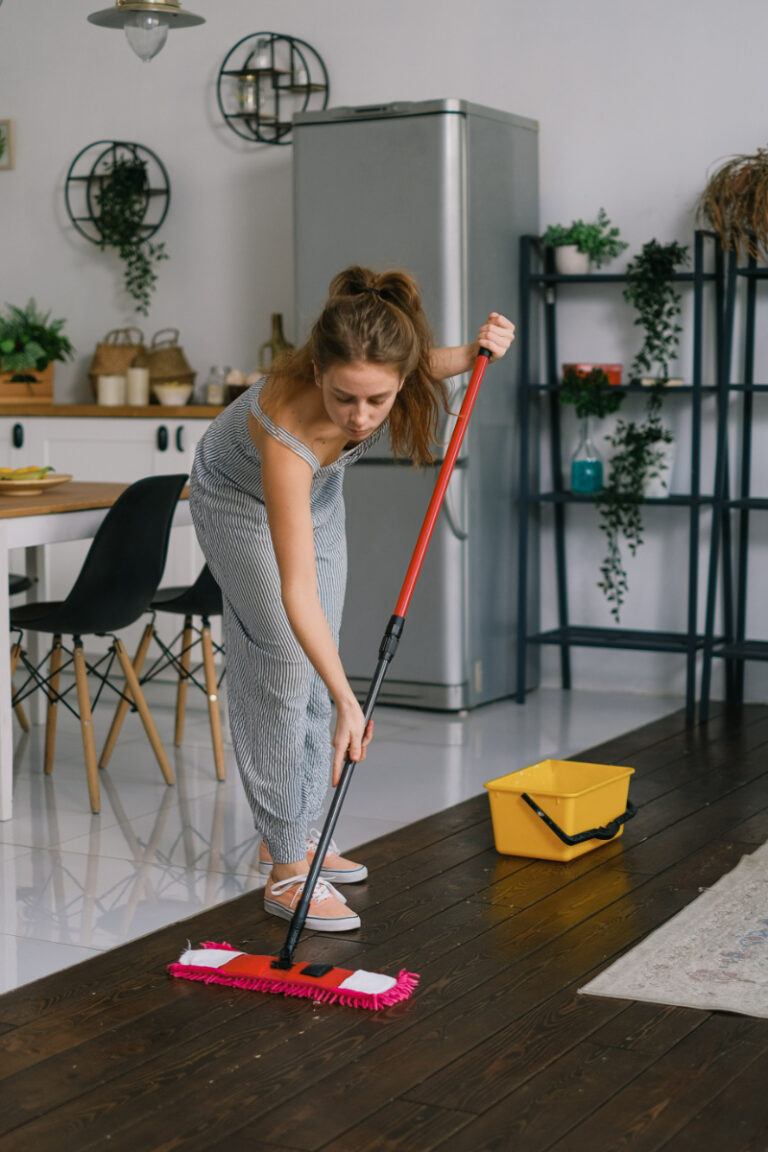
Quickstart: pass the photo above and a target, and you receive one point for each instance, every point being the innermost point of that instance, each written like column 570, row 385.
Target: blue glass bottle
column 586, row 466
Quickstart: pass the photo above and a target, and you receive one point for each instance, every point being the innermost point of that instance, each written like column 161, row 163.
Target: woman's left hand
column 496, row 334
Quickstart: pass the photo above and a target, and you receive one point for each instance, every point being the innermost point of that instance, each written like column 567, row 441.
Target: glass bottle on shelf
column 586, row 465
column 216, row 384
column 246, row 92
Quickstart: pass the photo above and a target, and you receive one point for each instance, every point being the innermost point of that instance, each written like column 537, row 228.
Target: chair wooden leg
column 21, row 715
column 181, row 691
column 124, row 705
column 86, row 724
column 51, row 711
column 212, row 692
column 146, row 716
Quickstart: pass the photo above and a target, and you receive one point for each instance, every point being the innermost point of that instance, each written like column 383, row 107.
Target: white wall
column 635, row 102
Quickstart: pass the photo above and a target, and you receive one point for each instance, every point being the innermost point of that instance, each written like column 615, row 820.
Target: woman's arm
column 287, row 479
column 496, row 334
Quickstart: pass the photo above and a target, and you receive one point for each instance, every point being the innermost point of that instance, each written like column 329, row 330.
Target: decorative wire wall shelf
column 264, row 80
column 90, row 171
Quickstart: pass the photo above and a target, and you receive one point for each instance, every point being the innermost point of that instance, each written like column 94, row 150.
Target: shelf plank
column 644, row 641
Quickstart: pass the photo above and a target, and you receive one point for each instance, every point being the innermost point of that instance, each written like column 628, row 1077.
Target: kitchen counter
column 153, row 411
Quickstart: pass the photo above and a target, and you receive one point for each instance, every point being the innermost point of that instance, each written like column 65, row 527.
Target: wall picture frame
column 6, row 144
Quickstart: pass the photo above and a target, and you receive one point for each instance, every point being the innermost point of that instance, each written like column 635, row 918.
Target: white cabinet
column 108, row 449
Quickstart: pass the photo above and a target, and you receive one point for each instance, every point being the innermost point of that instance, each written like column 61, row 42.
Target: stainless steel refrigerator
column 444, row 189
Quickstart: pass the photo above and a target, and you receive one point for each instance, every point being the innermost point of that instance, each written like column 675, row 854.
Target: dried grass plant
column 734, row 204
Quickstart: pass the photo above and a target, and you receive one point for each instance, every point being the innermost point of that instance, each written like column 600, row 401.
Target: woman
column 266, row 500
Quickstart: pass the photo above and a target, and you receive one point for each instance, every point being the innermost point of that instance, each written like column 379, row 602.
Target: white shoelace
column 323, row 890
column 314, row 839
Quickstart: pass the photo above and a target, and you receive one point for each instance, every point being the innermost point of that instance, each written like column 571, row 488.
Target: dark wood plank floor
column 496, row 1050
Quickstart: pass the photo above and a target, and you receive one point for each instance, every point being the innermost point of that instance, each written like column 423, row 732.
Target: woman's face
column 358, row 397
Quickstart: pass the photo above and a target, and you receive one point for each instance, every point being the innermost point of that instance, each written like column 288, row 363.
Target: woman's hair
column 379, row 319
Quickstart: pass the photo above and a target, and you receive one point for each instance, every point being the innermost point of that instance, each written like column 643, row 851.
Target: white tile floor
column 74, row 884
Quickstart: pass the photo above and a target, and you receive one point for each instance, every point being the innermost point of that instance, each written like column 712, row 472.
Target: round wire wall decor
column 264, row 80
column 90, row 171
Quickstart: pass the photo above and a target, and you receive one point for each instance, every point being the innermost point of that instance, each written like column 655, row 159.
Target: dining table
column 32, row 519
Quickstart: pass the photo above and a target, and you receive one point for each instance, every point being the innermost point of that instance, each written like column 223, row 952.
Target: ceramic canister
column 137, row 386
column 110, row 390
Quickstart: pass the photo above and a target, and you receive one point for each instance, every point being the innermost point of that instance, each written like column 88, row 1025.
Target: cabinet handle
column 17, row 436
column 180, row 438
column 162, row 438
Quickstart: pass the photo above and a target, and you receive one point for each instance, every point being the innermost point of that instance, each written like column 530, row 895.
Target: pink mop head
column 222, row 964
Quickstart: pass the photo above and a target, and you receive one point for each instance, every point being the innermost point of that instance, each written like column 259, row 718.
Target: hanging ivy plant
column 638, row 447
column 122, row 200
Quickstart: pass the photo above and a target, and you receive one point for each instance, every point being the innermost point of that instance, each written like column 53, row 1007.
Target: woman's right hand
column 351, row 737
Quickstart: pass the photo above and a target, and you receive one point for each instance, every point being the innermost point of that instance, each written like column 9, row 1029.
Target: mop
column 219, row 963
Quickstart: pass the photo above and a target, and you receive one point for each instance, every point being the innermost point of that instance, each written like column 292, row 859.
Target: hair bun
column 352, row 282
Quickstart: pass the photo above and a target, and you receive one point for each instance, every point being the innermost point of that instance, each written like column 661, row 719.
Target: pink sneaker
column 335, row 868
column 327, row 908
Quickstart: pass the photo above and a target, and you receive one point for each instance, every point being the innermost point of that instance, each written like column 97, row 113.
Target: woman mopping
column 266, row 500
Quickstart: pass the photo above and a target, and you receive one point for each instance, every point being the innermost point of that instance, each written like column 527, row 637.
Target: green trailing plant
column 30, row 340
column 590, row 393
column 734, row 204
column 122, row 200
column 638, row 447
column 637, row 456
column 598, row 239
column 652, row 292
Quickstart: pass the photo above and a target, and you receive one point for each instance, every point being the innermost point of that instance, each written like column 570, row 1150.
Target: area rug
column 712, row 955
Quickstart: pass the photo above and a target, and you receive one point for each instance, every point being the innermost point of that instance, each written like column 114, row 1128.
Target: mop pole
column 387, row 650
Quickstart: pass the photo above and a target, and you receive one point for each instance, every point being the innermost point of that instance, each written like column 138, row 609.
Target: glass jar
column 586, row 465
column 216, row 385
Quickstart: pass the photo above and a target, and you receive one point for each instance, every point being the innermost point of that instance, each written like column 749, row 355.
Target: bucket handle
column 607, row 832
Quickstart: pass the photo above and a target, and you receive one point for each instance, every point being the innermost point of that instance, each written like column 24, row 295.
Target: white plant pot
column 660, row 486
column 569, row 261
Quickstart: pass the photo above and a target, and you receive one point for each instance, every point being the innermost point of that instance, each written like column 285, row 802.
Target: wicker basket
column 166, row 360
column 120, row 348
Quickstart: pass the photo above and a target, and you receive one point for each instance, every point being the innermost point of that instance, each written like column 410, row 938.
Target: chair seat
column 53, row 616
column 203, row 598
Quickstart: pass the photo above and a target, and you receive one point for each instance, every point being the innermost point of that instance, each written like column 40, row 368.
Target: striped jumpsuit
column 279, row 707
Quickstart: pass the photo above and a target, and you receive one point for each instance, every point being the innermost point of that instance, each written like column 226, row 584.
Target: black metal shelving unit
column 540, row 287
column 732, row 522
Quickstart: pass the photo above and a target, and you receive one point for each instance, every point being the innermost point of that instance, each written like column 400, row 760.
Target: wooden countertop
column 151, row 411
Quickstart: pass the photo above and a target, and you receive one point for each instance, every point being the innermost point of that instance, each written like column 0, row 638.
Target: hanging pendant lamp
column 146, row 22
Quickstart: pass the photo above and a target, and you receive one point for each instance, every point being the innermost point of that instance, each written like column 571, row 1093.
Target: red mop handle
column 443, row 479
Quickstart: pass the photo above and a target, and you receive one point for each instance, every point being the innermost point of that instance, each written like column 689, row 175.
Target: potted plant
column 30, row 342
column 591, row 394
column 638, row 457
column 122, row 201
column 652, row 292
column 640, row 448
column 734, row 204
column 579, row 244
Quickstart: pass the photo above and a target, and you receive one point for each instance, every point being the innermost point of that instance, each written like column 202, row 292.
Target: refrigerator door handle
column 452, row 514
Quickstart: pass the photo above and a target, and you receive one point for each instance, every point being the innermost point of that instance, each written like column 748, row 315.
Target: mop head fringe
column 222, row 964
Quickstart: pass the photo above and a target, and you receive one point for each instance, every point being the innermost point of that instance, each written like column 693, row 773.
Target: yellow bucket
column 559, row 809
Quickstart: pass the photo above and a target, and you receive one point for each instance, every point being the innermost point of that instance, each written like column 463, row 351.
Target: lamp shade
column 170, row 10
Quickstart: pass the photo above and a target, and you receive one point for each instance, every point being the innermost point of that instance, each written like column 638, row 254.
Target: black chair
column 115, row 587
column 203, row 598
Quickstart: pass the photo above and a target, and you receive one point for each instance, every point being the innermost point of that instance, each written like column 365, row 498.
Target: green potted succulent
column 30, row 342
column 122, row 201
column 640, row 448
column 580, row 244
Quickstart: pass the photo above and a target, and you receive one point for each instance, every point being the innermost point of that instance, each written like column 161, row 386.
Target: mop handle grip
column 443, row 479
